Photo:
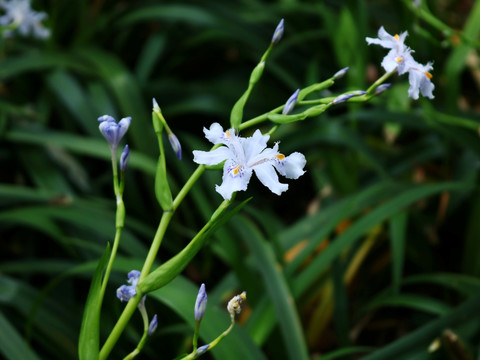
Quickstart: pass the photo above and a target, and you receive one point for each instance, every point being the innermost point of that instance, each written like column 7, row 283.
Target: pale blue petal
column 231, row 183
column 426, row 88
column 213, row 157
column 414, row 78
column 292, row 166
column 215, row 133
column 254, row 145
column 268, row 177
column 124, row 124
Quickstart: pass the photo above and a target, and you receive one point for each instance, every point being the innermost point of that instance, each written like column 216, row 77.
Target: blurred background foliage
column 373, row 253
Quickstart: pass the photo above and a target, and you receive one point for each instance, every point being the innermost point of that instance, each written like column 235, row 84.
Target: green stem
column 116, row 241
column 188, row 185
column 157, row 241
column 214, row 343
column 119, row 326
column 143, row 340
column 259, row 119
column 380, row 81
column 119, row 223
column 195, row 336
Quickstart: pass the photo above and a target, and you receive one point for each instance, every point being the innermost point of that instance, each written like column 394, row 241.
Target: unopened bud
column 291, row 102
column 200, row 303
column 381, row 88
column 277, row 35
column 340, row 73
column 153, row 325
column 234, row 305
column 124, row 158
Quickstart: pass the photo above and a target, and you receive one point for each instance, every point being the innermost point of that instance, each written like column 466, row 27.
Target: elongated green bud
column 162, row 188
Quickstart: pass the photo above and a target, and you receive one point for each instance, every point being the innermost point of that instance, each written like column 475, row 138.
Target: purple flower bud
column 200, row 303
column 340, row 73
column 358, row 92
column 124, row 158
column 277, row 35
column 381, row 88
column 153, row 325
column 291, row 102
column 156, row 108
column 126, row 292
column 175, row 145
column 342, row 98
column 112, row 131
column 201, row 350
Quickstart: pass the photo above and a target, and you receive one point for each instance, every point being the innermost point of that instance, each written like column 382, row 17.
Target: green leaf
column 398, row 229
column 344, row 352
column 411, row 301
column 355, row 232
column 72, row 96
column 12, row 346
column 419, row 340
column 463, row 284
column 277, row 287
column 97, row 148
column 162, row 188
column 175, row 13
column 236, row 115
column 89, row 340
column 169, row 270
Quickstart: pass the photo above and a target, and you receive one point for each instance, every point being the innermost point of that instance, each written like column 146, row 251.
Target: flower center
column 236, row 170
column 396, row 37
column 428, row 75
column 399, row 59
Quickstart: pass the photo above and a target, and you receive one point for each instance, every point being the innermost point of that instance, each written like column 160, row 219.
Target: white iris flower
column 400, row 57
column 20, row 16
column 243, row 156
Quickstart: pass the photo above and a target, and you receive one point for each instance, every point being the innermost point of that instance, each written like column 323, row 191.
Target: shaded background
column 377, row 243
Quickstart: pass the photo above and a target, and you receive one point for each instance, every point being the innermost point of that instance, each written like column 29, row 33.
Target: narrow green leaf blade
column 89, row 341
column 277, row 288
column 12, row 346
column 398, row 224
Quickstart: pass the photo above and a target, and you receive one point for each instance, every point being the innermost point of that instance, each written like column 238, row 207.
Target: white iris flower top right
column 244, row 156
column 400, row 58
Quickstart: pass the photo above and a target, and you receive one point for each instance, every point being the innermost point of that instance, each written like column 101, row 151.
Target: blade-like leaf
column 12, row 346
column 89, row 340
column 277, row 288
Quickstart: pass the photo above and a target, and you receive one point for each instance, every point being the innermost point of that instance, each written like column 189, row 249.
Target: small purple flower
column 340, row 73
column 153, row 325
column 291, row 102
column 200, row 303
column 277, row 35
column 112, row 131
column 126, row 292
column 124, row 158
